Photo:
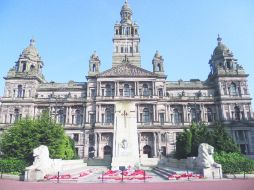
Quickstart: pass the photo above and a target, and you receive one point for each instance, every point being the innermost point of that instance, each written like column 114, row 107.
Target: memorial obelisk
column 125, row 142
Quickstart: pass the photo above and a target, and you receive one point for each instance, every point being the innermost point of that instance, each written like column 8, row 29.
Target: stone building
column 163, row 108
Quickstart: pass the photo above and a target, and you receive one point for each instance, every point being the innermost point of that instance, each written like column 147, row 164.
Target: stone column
column 86, row 145
column 159, row 142
column 154, row 113
column 99, row 147
column 154, row 144
column 96, row 145
column 138, row 119
column 137, row 88
column 118, row 93
column 99, row 113
column 139, row 143
column 153, row 87
column 67, row 115
column 70, row 115
column 167, row 143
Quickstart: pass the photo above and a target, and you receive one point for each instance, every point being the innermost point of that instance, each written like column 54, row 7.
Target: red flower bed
column 127, row 175
column 184, row 176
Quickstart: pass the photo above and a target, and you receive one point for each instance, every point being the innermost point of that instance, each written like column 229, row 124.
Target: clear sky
column 183, row 31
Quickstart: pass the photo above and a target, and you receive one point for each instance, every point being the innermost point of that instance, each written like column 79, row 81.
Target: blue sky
column 184, row 32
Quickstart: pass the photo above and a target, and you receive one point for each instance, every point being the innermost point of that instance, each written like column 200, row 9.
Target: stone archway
column 147, row 150
column 91, row 152
column 107, row 150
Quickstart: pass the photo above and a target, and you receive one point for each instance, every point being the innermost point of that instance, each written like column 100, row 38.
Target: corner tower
column 126, row 39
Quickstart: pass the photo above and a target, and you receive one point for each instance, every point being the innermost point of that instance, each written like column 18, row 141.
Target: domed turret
column 222, row 60
column 29, row 63
column 30, row 60
column 126, row 13
column 31, row 51
column 221, row 49
column 94, row 64
column 158, row 63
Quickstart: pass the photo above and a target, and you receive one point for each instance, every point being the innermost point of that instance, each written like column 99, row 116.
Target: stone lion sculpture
column 42, row 164
column 205, row 156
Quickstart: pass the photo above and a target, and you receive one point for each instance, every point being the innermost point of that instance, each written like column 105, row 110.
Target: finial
column 219, row 39
column 32, row 42
column 126, row 1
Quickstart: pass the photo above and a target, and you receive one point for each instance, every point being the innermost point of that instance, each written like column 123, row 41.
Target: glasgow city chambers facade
column 86, row 110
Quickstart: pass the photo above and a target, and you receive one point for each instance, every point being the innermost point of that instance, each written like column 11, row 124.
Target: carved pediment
column 127, row 70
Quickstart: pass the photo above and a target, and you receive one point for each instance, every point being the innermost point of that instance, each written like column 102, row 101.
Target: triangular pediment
column 127, row 70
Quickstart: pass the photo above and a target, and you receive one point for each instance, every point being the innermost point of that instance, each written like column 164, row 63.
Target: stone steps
column 173, row 173
column 98, row 162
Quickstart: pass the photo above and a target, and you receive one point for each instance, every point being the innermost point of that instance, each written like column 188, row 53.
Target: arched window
column 209, row 115
column 108, row 90
column 94, row 68
column 16, row 115
column 145, row 90
column 195, row 115
column 237, row 113
column 126, row 90
column 146, row 115
column 108, row 116
column 176, row 117
column 233, row 89
column 19, row 91
column 32, row 67
column 61, row 117
column 159, row 67
column 78, row 117
column 24, row 67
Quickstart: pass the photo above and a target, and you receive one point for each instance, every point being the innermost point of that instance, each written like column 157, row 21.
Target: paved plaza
column 204, row 185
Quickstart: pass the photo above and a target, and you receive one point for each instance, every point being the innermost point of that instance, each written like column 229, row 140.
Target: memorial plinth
column 125, row 142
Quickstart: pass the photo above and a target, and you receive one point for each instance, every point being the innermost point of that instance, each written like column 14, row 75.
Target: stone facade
column 163, row 108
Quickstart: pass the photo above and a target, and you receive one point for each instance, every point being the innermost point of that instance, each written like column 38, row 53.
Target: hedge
column 12, row 166
column 233, row 163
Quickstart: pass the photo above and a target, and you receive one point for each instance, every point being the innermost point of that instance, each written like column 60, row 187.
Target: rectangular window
column 136, row 49
column 93, row 94
column 131, row 49
column 160, row 92
column 162, row 118
column 72, row 119
column 10, row 118
column 76, row 137
column 227, row 116
column 121, row 49
column 121, row 92
column 102, row 118
column 92, row 118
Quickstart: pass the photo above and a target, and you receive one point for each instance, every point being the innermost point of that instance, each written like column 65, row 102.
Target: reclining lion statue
column 42, row 164
column 205, row 156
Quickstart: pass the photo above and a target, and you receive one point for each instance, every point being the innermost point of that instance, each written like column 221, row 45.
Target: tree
column 183, row 144
column 222, row 142
column 200, row 134
column 26, row 134
column 188, row 142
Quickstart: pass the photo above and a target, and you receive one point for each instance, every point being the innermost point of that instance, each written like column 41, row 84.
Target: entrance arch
column 107, row 150
column 91, row 152
column 147, row 150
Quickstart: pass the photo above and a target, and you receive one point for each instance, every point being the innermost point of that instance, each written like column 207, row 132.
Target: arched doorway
column 91, row 152
column 147, row 150
column 107, row 150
